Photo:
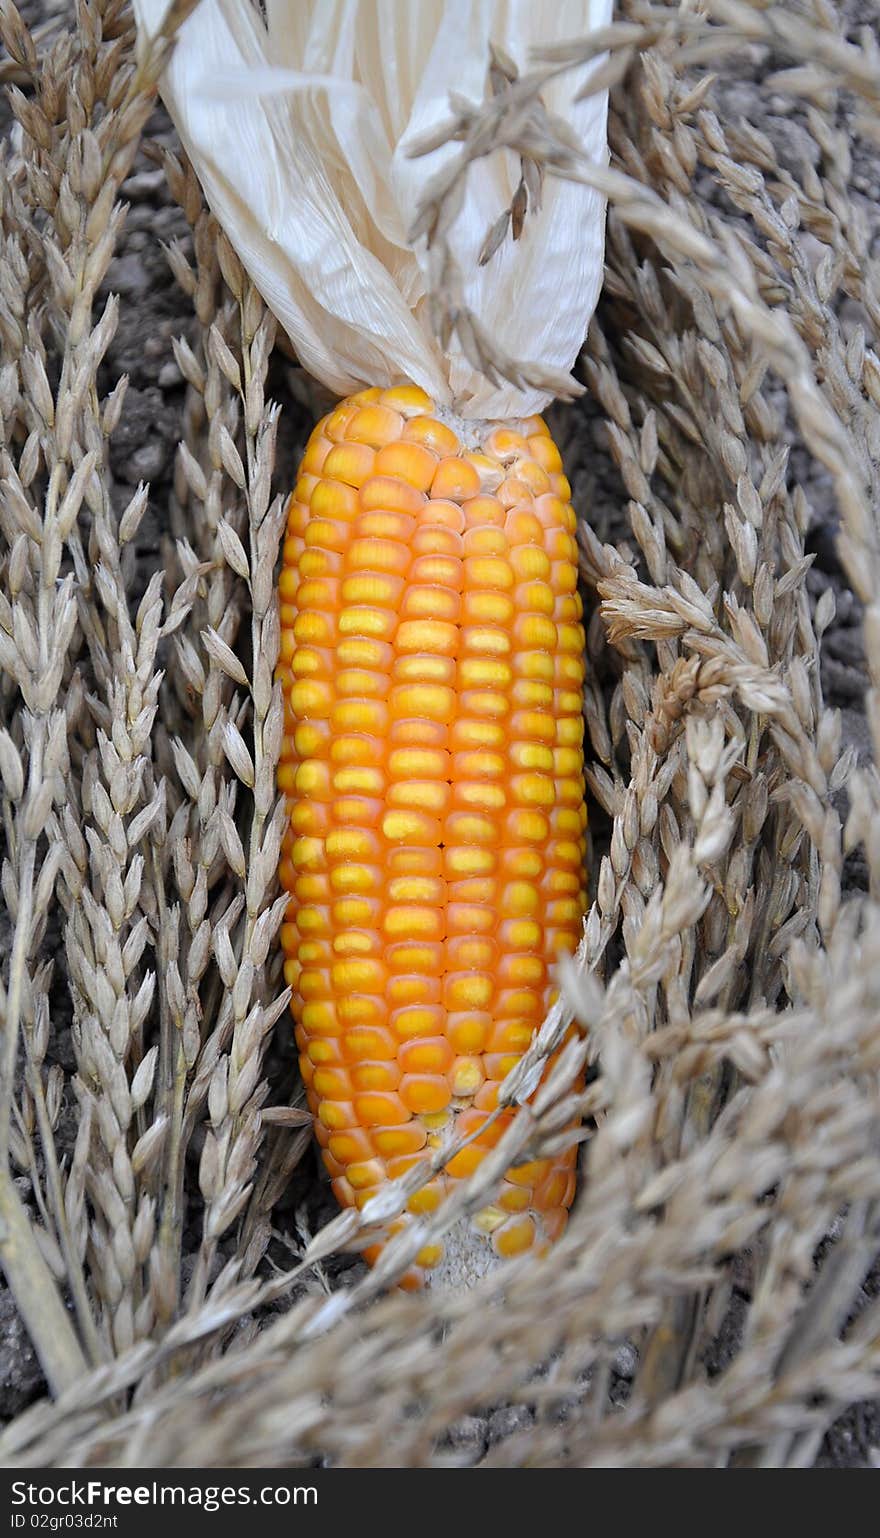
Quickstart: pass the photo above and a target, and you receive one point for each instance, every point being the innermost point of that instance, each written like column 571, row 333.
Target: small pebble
column 169, row 375
column 626, row 1360
column 127, row 275
column 148, row 462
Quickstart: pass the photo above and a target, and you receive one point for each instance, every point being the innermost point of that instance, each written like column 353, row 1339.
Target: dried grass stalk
column 705, row 1306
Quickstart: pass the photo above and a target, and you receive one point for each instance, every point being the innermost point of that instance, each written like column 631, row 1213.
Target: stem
column 208, row 1248
column 29, row 1277
column 36, row 1294
column 18, row 960
column 13, row 1001
column 75, row 1278
column 172, row 1069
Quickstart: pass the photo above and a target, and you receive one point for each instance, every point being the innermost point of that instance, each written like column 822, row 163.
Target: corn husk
column 300, row 128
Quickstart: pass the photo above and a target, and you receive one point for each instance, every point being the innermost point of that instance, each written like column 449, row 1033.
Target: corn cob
column 432, row 662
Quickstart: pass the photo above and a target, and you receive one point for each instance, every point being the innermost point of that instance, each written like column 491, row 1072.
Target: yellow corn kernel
column 410, row 401
column 430, row 796
column 467, row 1075
column 431, row 602
column 415, row 921
column 429, row 1255
column 488, row 1219
column 435, row 435
column 375, row 425
column 350, row 463
column 455, row 478
column 515, row 1236
column 427, row 635
column 390, row 493
column 412, row 462
column 427, row 1200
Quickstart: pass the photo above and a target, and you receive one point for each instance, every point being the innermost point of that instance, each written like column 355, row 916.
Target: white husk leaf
column 298, row 130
